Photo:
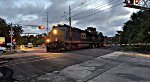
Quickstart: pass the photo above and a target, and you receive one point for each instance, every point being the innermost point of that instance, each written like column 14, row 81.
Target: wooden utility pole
column 47, row 23
column 69, row 16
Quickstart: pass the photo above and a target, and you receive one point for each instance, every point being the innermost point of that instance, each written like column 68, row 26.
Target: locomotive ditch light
column 48, row 40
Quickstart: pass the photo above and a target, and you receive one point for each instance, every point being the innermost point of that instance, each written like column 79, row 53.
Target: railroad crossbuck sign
column 138, row 4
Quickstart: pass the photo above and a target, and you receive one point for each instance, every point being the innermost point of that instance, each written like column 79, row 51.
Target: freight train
column 64, row 38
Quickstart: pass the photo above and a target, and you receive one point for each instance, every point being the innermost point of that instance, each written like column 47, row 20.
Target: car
column 30, row 45
column 2, row 49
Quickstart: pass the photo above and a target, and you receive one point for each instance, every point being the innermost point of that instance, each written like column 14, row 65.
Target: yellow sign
column 2, row 40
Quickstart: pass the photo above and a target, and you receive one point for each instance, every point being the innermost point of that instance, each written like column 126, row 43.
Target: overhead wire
column 93, row 13
column 84, row 5
column 74, row 9
column 98, row 11
column 90, row 11
column 99, row 6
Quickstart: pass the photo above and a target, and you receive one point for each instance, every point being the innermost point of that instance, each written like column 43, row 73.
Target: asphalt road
column 36, row 62
column 115, row 67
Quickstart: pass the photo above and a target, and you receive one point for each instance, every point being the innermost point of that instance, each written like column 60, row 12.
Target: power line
column 81, row 5
column 98, row 11
column 93, row 13
column 67, row 12
column 89, row 11
column 61, row 17
column 77, row 7
column 100, row 6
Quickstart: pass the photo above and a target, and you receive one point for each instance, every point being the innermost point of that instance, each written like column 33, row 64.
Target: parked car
column 2, row 50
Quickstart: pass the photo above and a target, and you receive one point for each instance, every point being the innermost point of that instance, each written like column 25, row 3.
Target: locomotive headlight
column 48, row 40
column 55, row 31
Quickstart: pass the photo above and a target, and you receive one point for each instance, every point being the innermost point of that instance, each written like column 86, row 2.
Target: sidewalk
column 114, row 67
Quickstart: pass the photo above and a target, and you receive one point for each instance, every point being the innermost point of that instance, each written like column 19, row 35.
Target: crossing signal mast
column 138, row 4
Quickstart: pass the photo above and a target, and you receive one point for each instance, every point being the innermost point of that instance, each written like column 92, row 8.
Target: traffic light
column 42, row 27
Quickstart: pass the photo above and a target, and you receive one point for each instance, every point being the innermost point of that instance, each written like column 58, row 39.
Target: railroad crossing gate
column 138, row 4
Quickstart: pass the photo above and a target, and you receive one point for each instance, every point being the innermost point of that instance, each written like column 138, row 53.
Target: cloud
column 34, row 12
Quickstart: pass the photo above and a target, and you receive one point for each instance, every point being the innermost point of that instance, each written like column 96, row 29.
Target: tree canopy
column 137, row 29
column 5, row 28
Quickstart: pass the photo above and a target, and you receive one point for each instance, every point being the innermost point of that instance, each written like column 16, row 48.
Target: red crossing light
column 137, row 1
column 14, row 40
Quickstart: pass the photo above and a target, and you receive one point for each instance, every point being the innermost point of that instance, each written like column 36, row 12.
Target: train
column 65, row 38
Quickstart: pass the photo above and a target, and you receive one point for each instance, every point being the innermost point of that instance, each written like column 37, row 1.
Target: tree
column 136, row 29
column 5, row 28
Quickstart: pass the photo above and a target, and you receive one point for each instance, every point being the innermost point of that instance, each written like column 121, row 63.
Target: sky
column 107, row 16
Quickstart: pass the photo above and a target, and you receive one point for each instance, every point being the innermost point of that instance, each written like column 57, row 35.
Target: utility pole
column 47, row 22
column 11, row 36
column 69, row 16
column 70, row 24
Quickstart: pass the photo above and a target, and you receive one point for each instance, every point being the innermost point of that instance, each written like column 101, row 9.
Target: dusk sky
column 85, row 13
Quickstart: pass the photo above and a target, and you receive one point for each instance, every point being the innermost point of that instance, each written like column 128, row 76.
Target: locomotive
column 64, row 38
